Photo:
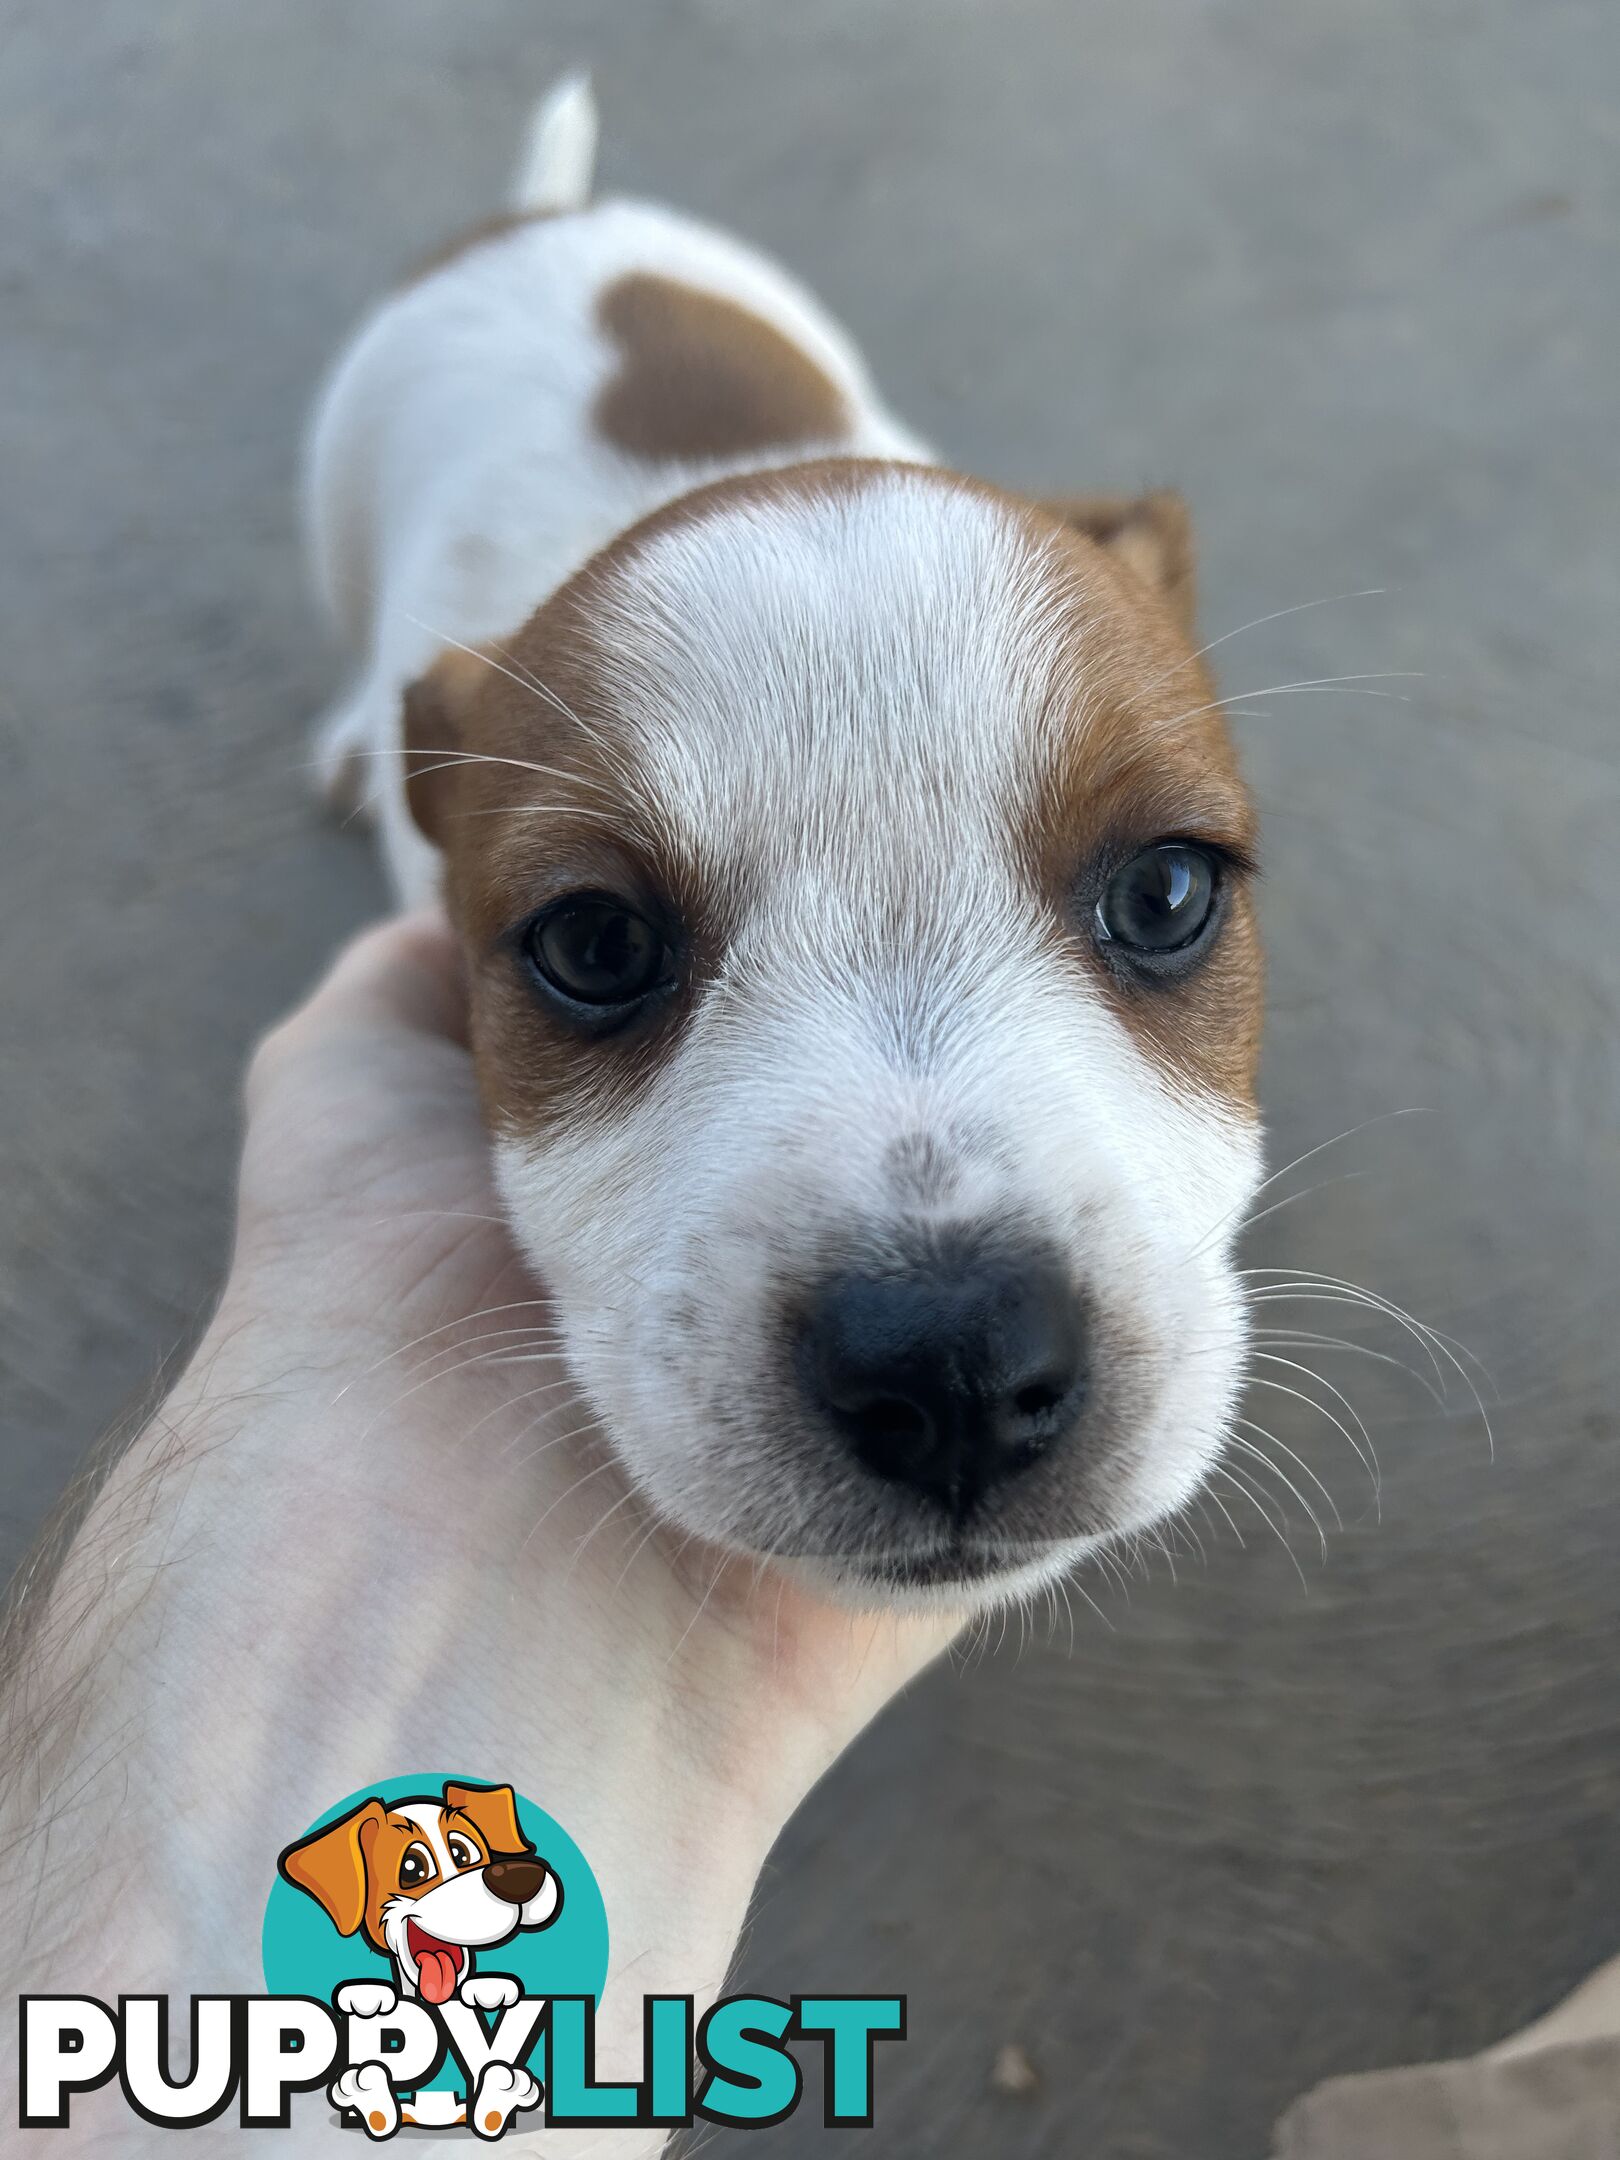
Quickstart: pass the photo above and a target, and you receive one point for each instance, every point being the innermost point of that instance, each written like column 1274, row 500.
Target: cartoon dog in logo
column 429, row 1881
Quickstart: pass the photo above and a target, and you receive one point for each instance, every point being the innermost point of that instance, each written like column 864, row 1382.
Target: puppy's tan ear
column 331, row 1865
column 437, row 737
column 1150, row 534
column 492, row 1811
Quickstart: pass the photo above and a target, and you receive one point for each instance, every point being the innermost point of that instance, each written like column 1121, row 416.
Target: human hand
column 374, row 1529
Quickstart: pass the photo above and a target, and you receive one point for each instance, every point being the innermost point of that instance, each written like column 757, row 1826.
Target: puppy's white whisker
column 1351, row 1132
column 1216, row 1501
column 625, row 1499
column 1304, row 1468
column 1354, row 684
column 1262, row 1503
column 529, row 809
column 1309, row 1154
column 563, row 1384
column 402, row 1215
column 1288, row 1294
column 1361, row 1447
column 578, row 1486
column 449, row 760
column 523, row 679
column 1435, row 1344
column 462, row 1356
column 465, row 1320
column 1314, row 1339
column 1307, row 1192
column 702, row 1605
column 1300, row 607
column 524, row 682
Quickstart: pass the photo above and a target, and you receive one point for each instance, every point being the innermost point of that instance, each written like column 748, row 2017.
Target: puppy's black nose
column 514, row 1882
column 951, row 1378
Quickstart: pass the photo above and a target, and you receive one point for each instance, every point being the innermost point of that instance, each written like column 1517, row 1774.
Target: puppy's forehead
column 819, row 657
column 827, row 638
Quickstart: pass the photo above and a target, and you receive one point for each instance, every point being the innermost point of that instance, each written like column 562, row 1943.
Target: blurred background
column 1346, row 272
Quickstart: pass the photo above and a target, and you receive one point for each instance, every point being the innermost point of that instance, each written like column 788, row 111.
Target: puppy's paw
column 489, row 1991
column 365, row 1998
column 502, row 2090
column 367, row 2091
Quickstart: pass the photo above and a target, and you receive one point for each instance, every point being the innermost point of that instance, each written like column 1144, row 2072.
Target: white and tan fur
column 850, row 703
column 454, row 475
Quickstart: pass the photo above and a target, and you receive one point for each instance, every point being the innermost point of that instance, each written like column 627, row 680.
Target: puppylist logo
column 435, row 1949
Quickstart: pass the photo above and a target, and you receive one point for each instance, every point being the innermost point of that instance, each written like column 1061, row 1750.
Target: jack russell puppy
column 853, row 871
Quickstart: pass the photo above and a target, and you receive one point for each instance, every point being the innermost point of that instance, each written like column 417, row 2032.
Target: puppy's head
column 853, row 869
column 427, row 1880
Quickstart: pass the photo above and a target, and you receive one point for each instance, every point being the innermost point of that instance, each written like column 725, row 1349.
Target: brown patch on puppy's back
column 700, row 377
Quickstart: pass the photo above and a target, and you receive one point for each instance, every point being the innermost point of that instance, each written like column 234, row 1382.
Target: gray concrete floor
column 1346, row 271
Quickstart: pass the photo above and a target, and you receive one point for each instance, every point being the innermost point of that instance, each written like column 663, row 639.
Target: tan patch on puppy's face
column 1143, row 757
column 700, row 377
column 529, row 804
column 1150, row 534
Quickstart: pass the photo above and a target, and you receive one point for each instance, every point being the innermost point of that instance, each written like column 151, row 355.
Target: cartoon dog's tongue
column 437, row 1964
column 436, row 1974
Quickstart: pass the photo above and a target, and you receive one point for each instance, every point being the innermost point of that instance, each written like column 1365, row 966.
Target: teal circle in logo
column 305, row 1954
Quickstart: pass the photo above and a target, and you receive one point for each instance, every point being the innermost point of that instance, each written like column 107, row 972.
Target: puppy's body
column 528, row 398
column 889, row 1220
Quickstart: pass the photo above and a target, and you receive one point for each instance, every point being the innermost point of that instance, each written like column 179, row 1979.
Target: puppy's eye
column 462, row 1853
column 416, row 1867
column 596, row 950
column 1161, row 902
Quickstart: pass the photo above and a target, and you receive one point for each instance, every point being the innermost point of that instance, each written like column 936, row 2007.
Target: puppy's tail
column 559, row 155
